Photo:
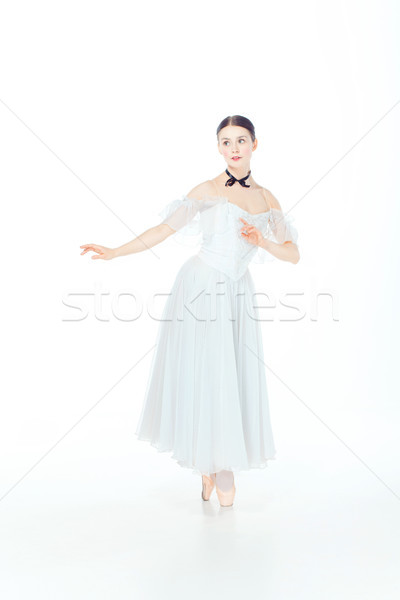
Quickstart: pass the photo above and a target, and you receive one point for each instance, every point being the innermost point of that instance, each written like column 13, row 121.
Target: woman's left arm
column 286, row 251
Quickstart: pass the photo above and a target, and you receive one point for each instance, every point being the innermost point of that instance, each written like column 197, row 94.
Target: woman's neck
column 239, row 172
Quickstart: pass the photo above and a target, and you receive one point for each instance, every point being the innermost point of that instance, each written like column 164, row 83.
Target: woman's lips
column 236, row 157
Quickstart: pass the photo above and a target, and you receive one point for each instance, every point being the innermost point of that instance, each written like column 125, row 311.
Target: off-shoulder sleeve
column 279, row 228
column 190, row 217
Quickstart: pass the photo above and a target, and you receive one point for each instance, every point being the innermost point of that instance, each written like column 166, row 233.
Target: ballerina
column 206, row 399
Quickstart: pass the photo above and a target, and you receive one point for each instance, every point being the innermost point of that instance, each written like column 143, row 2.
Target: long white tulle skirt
column 206, row 399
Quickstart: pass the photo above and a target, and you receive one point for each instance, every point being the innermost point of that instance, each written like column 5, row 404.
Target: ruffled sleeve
column 278, row 228
column 191, row 217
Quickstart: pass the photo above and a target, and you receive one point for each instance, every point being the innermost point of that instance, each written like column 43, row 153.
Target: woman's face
column 235, row 141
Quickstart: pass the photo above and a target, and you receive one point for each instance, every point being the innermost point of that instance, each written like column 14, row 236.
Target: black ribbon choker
column 232, row 179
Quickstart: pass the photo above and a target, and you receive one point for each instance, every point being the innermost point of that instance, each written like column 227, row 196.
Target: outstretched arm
column 149, row 238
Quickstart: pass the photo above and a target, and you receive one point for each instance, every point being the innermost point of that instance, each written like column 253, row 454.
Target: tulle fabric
column 192, row 218
column 196, row 219
column 280, row 229
column 206, row 399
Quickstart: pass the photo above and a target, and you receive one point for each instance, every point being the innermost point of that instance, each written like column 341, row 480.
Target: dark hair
column 239, row 121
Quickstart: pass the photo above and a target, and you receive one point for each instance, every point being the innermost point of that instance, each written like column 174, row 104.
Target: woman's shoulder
column 205, row 188
column 271, row 200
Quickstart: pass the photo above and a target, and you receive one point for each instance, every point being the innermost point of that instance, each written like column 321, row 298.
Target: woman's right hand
column 102, row 251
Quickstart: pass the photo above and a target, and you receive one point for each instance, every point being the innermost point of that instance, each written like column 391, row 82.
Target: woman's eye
column 226, row 142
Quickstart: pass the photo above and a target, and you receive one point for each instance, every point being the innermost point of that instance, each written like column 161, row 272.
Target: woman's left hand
column 253, row 235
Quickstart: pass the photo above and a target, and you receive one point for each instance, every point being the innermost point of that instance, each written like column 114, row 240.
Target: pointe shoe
column 208, row 486
column 226, row 498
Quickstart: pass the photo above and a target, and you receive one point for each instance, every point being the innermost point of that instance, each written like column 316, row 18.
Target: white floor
column 320, row 525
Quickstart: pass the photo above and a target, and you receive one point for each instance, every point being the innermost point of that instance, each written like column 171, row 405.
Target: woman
column 206, row 398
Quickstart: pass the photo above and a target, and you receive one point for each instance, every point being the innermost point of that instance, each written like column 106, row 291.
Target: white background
column 108, row 111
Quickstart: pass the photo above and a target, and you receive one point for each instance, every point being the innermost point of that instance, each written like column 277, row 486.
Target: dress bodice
column 214, row 222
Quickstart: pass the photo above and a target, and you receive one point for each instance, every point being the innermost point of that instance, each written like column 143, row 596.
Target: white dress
column 206, row 399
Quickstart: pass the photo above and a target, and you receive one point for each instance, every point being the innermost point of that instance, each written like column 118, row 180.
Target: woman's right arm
column 179, row 213
column 149, row 238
